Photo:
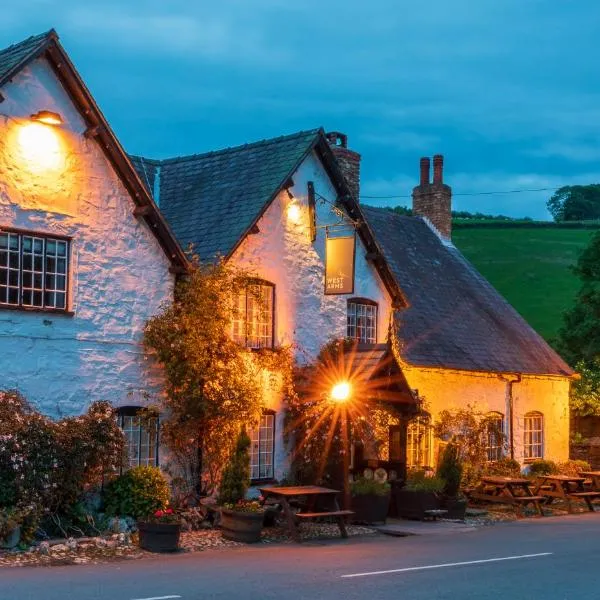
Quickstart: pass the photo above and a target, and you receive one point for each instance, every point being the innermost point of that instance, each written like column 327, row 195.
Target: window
column 141, row 436
column 362, row 321
column 494, row 436
column 253, row 321
column 418, row 442
column 262, row 448
column 534, row 436
column 33, row 271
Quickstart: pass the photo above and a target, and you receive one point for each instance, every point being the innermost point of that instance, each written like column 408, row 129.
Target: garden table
column 594, row 479
column 566, row 488
column 320, row 502
column 508, row 490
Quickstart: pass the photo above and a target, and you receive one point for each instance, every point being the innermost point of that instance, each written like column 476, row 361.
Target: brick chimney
column 434, row 200
column 348, row 160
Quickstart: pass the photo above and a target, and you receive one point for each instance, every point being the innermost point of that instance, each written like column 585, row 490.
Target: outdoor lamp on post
column 341, row 393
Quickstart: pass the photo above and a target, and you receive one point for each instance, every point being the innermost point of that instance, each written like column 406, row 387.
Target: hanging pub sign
column 339, row 264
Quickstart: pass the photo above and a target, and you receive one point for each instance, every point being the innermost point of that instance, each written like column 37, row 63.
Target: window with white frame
column 33, row 271
column 418, row 442
column 254, row 315
column 362, row 321
column 141, row 436
column 262, row 448
column 494, row 436
column 533, row 443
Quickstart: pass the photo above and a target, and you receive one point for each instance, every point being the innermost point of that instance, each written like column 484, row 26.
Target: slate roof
column 455, row 318
column 13, row 58
column 211, row 200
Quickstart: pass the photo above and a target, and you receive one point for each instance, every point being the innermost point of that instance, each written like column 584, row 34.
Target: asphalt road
column 550, row 559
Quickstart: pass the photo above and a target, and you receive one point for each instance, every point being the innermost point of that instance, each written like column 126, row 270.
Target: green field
column 529, row 267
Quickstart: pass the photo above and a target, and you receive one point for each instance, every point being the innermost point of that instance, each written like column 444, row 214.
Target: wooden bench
column 587, row 496
column 520, row 501
column 339, row 516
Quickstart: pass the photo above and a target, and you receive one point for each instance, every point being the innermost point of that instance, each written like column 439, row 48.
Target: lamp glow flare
column 341, row 391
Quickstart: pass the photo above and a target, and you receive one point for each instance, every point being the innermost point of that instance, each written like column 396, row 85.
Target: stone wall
column 486, row 392
column 54, row 180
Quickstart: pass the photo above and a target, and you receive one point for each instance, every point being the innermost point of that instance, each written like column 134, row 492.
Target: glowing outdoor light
column 341, row 391
column 293, row 211
column 47, row 117
column 39, row 147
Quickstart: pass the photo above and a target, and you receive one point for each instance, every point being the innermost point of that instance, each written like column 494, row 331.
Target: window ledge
column 35, row 309
column 257, row 482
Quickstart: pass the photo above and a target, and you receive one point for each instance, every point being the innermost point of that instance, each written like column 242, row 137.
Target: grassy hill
column 529, row 266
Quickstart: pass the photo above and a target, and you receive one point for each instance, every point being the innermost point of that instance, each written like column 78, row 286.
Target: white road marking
column 445, row 565
column 159, row 598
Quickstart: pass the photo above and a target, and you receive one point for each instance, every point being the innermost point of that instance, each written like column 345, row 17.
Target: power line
column 467, row 193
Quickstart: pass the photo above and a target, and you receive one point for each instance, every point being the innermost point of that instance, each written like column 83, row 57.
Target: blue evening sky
column 507, row 90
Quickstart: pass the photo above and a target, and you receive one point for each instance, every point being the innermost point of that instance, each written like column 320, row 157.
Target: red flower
column 169, row 511
column 159, row 513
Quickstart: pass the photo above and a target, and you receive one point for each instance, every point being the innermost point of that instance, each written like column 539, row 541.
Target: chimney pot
column 438, row 169
column 335, row 138
column 425, row 169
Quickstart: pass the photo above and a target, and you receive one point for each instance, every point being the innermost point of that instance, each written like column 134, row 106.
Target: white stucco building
column 90, row 245
column 85, row 255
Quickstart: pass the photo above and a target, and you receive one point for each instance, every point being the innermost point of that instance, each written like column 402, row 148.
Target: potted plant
column 241, row 519
column 370, row 500
column 10, row 528
column 418, row 496
column 160, row 531
column 450, row 471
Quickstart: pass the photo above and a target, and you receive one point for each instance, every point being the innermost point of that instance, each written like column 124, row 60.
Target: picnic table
column 567, row 488
column 594, row 479
column 508, row 490
column 318, row 502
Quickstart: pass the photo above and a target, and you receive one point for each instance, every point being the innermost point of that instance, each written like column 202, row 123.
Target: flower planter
column 159, row 537
column 241, row 526
column 413, row 505
column 370, row 508
column 12, row 540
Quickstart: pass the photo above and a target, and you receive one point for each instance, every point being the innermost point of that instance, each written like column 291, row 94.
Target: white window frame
column 141, row 443
column 533, row 436
column 254, row 317
column 262, row 448
column 494, row 441
column 362, row 320
column 419, row 433
column 34, row 271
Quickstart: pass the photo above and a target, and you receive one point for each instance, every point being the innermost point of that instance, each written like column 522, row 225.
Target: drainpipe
column 509, row 380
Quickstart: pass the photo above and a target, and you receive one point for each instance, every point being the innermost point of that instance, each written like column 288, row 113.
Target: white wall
column 282, row 253
column 54, row 180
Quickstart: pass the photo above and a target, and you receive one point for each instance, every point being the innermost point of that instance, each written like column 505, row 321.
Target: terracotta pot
column 241, row 526
column 159, row 537
column 370, row 508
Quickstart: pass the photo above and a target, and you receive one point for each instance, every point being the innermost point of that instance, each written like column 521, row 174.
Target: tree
column 575, row 203
column 579, row 337
column 213, row 384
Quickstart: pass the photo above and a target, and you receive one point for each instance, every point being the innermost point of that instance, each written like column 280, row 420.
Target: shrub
column 573, row 467
column 450, row 470
column 508, row 467
column 236, row 476
column 419, row 481
column 137, row 493
column 363, row 487
column 542, row 467
column 51, row 464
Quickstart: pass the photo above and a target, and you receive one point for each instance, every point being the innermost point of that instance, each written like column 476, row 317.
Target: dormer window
column 254, row 316
column 362, row 320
